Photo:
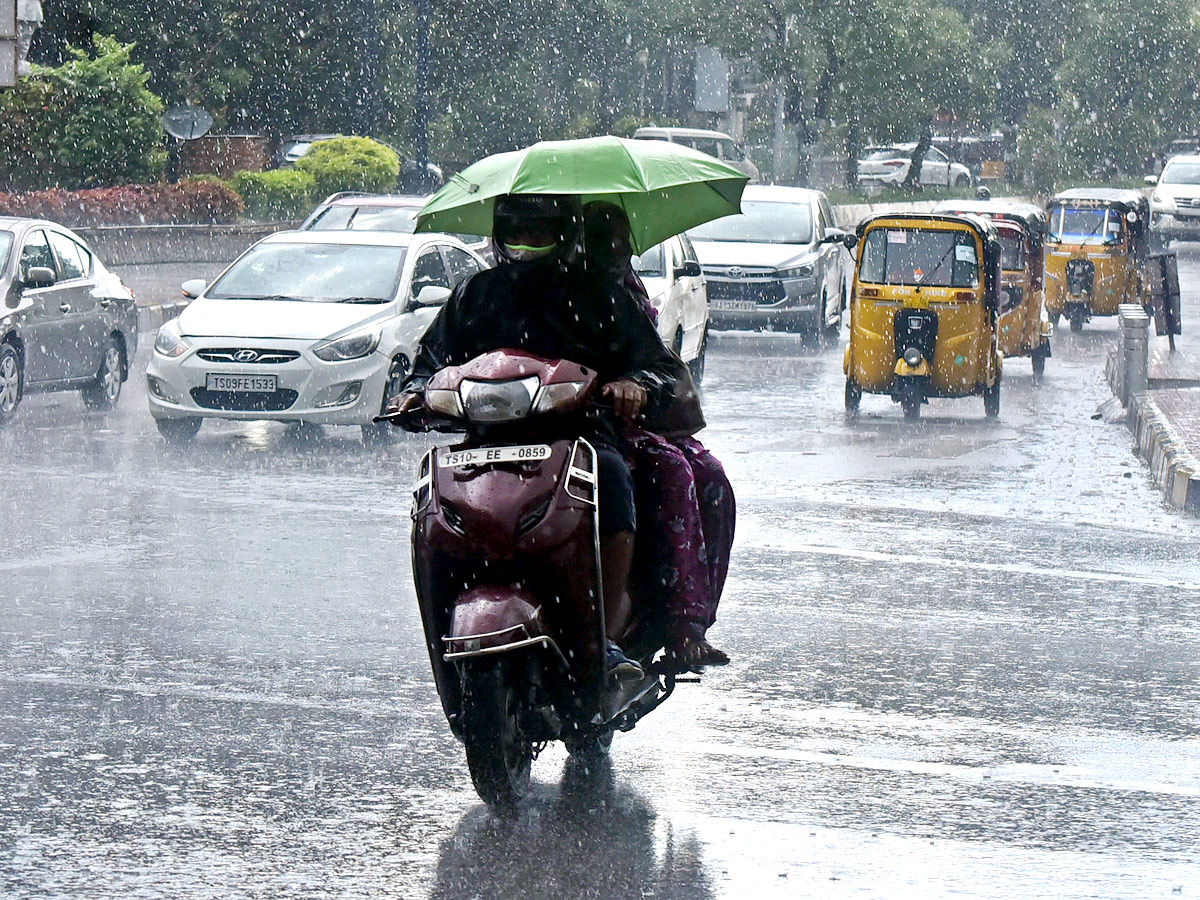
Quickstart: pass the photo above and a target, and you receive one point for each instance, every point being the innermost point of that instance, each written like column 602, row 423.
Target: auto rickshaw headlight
column 912, row 356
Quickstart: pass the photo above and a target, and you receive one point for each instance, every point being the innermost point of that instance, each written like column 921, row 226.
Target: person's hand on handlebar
column 401, row 404
column 628, row 398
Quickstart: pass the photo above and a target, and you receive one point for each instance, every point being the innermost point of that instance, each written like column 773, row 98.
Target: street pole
column 420, row 125
column 364, row 118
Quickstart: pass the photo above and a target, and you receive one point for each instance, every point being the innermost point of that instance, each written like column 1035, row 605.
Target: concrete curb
column 1175, row 470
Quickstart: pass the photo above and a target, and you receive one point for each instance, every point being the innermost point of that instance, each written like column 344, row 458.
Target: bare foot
column 698, row 652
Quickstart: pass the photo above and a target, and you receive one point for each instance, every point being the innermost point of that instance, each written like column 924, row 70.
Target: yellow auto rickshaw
column 1022, row 326
column 1097, row 241
column 923, row 314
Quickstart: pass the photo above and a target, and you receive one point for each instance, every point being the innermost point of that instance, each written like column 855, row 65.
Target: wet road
column 964, row 664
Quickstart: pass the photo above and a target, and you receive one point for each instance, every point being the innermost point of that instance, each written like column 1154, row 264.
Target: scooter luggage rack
column 526, row 641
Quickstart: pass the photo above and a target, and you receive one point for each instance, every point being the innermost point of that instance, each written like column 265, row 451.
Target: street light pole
column 420, row 125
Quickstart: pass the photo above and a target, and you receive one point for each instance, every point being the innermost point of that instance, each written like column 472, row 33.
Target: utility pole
column 420, row 124
column 8, row 43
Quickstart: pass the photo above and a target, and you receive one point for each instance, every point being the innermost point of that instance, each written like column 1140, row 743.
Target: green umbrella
column 664, row 188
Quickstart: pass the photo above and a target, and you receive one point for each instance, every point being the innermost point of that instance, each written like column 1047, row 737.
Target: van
column 714, row 143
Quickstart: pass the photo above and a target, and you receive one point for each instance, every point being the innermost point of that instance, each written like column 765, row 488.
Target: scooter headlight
column 554, row 397
column 912, row 356
column 498, row 401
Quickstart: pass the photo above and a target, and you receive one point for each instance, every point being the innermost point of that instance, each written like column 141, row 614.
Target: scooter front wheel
column 498, row 752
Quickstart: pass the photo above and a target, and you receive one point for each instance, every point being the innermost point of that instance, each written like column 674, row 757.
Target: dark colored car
column 66, row 323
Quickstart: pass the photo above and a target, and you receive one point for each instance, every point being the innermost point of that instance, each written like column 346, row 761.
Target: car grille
column 244, row 401
column 765, row 292
column 241, row 355
column 1188, row 203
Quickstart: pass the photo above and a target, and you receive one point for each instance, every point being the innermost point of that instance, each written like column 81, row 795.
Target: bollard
column 1133, row 353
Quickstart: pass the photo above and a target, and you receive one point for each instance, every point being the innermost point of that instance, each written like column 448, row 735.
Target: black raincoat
column 551, row 312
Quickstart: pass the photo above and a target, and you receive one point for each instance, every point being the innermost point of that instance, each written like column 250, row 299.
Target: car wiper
column 279, row 297
column 362, row 300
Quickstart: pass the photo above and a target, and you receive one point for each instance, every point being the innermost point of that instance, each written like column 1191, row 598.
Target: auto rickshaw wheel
column 1054, row 317
column 910, row 395
column 1039, row 361
column 991, row 400
column 853, row 398
column 1077, row 318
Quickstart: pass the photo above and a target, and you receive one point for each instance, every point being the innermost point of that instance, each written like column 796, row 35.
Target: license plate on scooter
column 482, row 456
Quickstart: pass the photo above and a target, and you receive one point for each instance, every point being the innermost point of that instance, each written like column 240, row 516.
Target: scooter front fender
column 489, row 617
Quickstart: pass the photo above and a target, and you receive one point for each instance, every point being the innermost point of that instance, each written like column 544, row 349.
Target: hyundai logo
column 245, row 356
column 735, row 272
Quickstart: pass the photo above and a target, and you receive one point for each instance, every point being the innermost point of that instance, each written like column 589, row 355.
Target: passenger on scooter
column 539, row 299
column 679, row 482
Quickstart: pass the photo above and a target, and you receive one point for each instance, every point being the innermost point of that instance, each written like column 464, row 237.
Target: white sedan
column 889, row 165
column 316, row 327
column 679, row 294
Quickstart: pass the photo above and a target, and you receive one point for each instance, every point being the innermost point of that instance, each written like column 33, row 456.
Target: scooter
column 506, row 561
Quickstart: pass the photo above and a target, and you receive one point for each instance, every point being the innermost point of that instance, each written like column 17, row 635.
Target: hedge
column 193, row 202
column 351, row 164
column 278, row 195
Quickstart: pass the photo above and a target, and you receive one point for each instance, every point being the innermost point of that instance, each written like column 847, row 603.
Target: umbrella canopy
column 664, row 188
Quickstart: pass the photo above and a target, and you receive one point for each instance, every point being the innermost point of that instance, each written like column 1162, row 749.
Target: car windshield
column 650, row 264
column 1181, row 173
column 1012, row 251
column 1085, row 225
column 367, row 218
column 6, row 240
column 761, row 222
column 323, row 273
column 919, row 256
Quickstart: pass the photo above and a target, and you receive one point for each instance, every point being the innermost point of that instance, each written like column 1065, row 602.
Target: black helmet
column 532, row 229
column 983, row 193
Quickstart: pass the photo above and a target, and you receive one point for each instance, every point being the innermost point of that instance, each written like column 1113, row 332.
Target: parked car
column 714, row 143
column 781, row 264
column 67, row 322
column 889, row 165
column 353, row 211
column 678, row 291
column 290, row 149
column 1175, row 203
column 308, row 326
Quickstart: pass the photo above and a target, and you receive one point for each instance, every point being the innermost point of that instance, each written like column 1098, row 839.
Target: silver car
column 66, row 322
column 781, row 264
column 1175, row 203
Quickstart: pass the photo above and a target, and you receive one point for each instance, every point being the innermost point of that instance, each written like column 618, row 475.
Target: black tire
column 179, row 431
column 498, row 753
column 104, row 394
column 853, row 398
column 1077, row 318
column 832, row 332
column 1054, row 317
column 962, row 181
column 991, row 400
column 696, row 366
column 910, row 396
column 12, row 382
column 591, row 747
column 380, row 434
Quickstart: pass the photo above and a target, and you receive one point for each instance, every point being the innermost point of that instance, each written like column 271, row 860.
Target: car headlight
column 796, row 271
column 170, row 343
column 354, row 346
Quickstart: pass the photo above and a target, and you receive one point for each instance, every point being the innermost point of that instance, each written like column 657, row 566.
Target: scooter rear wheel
column 498, row 752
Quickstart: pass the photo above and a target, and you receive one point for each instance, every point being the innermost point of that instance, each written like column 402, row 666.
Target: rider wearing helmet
column 539, row 300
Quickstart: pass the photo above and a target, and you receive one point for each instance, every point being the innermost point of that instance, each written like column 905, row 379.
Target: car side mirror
column 850, row 240
column 1150, row 180
column 193, row 288
column 40, row 276
column 689, row 269
column 833, row 236
column 432, row 295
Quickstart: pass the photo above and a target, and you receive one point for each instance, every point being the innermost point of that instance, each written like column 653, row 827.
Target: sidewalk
column 1165, row 420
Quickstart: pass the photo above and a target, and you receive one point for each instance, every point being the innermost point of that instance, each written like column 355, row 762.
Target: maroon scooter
column 506, row 560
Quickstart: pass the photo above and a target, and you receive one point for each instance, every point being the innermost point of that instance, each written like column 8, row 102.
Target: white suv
column 714, row 143
column 1175, row 203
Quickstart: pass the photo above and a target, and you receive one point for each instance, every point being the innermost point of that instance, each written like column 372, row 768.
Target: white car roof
column 360, row 238
column 1184, row 158
column 775, row 193
column 652, row 131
